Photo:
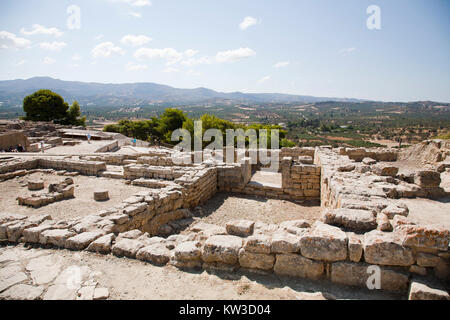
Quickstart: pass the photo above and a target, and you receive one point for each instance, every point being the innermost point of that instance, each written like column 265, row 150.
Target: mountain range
column 12, row 93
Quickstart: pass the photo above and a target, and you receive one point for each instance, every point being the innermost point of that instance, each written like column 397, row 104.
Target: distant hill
column 12, row 93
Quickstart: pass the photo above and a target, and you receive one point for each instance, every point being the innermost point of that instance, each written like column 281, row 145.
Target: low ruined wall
column 12, row 139
column 199, row 186
column 109, row 147
column 135, row 171
column 292, row 248
column 15, row 165
column 379, row 154
column 84, row 167
column 297, row 152
column 300, row 181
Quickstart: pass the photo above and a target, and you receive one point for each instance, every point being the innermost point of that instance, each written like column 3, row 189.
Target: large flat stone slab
column 22, row 292
column 127, row 247
column 324, row 242
column 221, row 248
column 295, row 265
column 383, row 248
column 156, row 253
column 82, row 240
column 357, row 274
column 425, row 290
column 352, row 219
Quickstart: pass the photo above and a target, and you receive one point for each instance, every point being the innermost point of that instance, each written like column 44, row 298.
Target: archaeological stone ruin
column 364, row 227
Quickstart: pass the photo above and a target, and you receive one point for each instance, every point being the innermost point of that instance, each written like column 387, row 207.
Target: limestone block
column 324, row 242
column 35, row 185
column 222, row 248
column 383, row 248
column 427, row 259
column 187, row 251
column 357, row 274
column 295, row 265
column 352, row 219
column 240, row 228
column 284, row 242
column 127, row 247
column 259, row 261
column 101, row 195
column 156, row 253
column 82, row 240
column 56, row 237
column 258, row 243
column 384, row 169
column 102, row 244
column 423, row 237
column 425, row 290
column 427, row 178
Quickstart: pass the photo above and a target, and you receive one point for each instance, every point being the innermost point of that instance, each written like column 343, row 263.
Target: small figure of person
column 42, row 146
column 89, row 138
column 134, row 142
column 19, row 148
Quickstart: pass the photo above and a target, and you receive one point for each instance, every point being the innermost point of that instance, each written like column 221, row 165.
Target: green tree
column 45, row 105
column 73, row 115
column 169, row 121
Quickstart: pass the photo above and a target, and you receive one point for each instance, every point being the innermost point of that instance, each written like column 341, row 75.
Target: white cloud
column 247, row 22
column 264, row 79
column 196, row 61
column 281, row 64
column 76, row 57
column 135, row 41
column 142, row 3
column 21, row 63
column 193, row 73
column 52, row 46
column 347, row 50
column 171, row 55
column 48, row 60
column 171, row 70
column 134, row 14
column 130, row 66
column 106, row 50
column 9, row 40
column 234, row 55
column 38, row 29
column 190, row 52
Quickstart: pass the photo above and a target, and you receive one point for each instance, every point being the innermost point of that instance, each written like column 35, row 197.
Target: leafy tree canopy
column 46, row 105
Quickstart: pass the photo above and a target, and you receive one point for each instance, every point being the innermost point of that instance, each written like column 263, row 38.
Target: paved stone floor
column 37, row 273
column 29, row 274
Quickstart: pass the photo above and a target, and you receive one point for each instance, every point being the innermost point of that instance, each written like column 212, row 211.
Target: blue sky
column 310, row 47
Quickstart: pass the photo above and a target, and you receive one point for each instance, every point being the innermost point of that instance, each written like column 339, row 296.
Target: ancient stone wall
column 300, row 181
column 361, row 227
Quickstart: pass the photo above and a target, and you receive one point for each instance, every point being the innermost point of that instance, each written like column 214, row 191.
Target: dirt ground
column 150, row 282
column 224, row 207
column 83, row 204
